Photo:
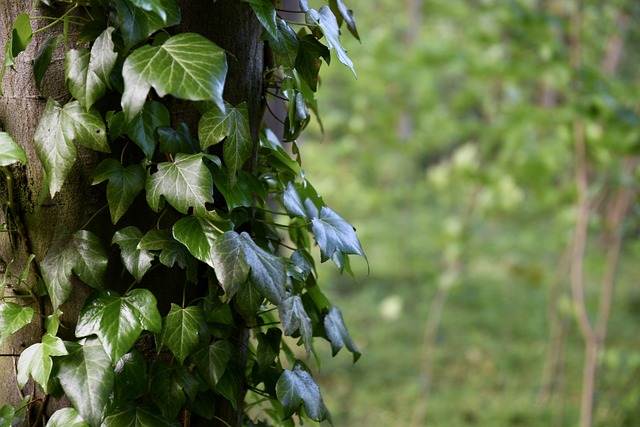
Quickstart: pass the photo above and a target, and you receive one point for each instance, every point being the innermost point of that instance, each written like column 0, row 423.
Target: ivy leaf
column 123, row 187
column 338, row 334
column 333, row 233
column 308, row 60
column 343, row 13
column 269, row 141
column 12, row 318
column 266, row 13
column 54, row 136
column 87, row 378
column 10, row 151
column 292, row 202
column 181, row 330
column 87, row 73
column 236, row 258
column 171, row 251
column 187, row 66
column 142, row 128
column 137, row 261
column 130, row 377
column 185, row 183
column 211, row 361
column 85, row 127
column 177, row 141
column 6, row 415
column 247, row 188
column 81, row 253
column 141, row 19
column 213, row 127
column 296, row 388
column 146, row 415
column 118, row 321
column 285, row 46
column 197, row 235
column 43, row 57
column 268, row 347
column 66, row 417
column 294, row 318
column 35, row 361
column 170, row 386
column 327, row 22
column 238, row 145
column 21, row 34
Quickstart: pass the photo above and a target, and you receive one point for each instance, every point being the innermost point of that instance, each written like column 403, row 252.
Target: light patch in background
column 391, row 307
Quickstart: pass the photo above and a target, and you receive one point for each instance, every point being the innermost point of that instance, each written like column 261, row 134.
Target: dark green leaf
column 35, row 361
column 343, row 13
column 268, row 347
column 211, row 361
column 236, row 258
column 43, row 57
column 118, row 321
column 185, row 183
column 187, row 66
column 171, row 251
column 87, row 378
column 66, row 417
column 292, row 202
column 155, row 6
column 198, row 235
column 326, row 20
column 296, row 388
column 308, row 61
column 176, row 141
column 338, row 334
column 123, row 187
column 13, row 317
column 142, row 128
column 333, row 233
column 137, row 261
column 294, row 318
column 170, row 386
column 10, row 151
column 245, row 191
column 6, row 415
column 266, row 13
column 88, row 72
column 238, row 145
column 231, row 383
column 81, row 253
column 248, row 301
column 146, row 415
column 181, row 330
column 285, row 46
column 130, row 377
column 138, row 23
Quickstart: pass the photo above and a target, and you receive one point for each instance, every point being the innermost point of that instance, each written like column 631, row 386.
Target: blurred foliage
column 452, row 154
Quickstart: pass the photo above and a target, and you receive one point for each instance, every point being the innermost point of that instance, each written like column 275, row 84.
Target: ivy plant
column 245, row 235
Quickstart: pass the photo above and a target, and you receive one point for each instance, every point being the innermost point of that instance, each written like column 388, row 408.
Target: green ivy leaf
column 213, row 127
column 141, row 19
column 247, row 188
column 87, row 73
column 268, row 347
column 12, row 318
column 308, row 61
column 119, row 321
column 181, row 330
column 231, row 383
column 171, row 251
column 123, row 187
column 333, row 233
column 177, row 141
column 87, row 378
column 343, row 13
column 54, row 136
column 81, row 253
column 294, row 318
column 269, row 142
column 21, row 34
column 238, row 145
column 7, row 413
column 285, row 46
column 170, row 386
column 146, row 415
column 185, row 183
column 66, row 417
column 137, row 261
column 237, row 258
column 142, row 128
column 292, row 202
column 197, row 235
column 187, row 66
column 266, row 13
column 296, row 388
column 212, row 360
column 326, row 20
column 10, row 151
column 338, row 334
column 35, row 361
column 130, row 377
column 43, row 57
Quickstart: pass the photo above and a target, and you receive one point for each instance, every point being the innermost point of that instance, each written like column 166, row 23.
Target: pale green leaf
column 343, row 13
column 87, row 378
column 119, row 321
column 185, row 183
column 87, row 73
column 338, row 334
column 137, row 261
column 292, row 202
column 294, row 318
column 84, row 126
column 213, row 127
column 326, row 20
column 123, row 187
column 7, row 413
column 10, row 151
column 211, row 361
column 21, row 34
column 181, row 330
column 35, row 361
column 333, row 233
column 66, row 417
column 13, row 317
column 187, row 66
column 296, row 388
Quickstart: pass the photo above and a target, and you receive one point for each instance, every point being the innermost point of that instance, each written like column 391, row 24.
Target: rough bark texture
column 229, row 23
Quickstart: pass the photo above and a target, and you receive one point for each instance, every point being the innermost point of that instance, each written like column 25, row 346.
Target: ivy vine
column 243, row 232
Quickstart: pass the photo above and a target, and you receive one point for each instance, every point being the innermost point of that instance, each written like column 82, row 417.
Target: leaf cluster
column 238, row 234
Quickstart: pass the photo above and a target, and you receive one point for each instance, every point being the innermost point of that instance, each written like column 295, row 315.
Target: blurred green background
column 453, row 154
